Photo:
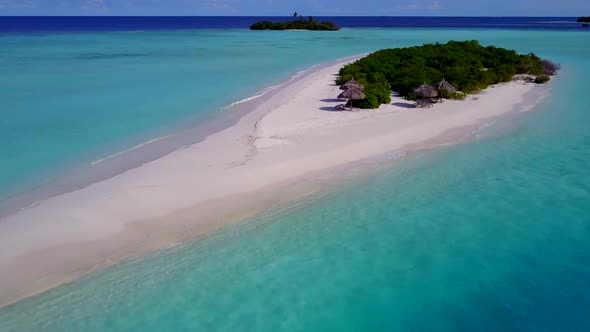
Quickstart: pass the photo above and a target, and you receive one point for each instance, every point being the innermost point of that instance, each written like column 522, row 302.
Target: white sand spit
column 232, row 174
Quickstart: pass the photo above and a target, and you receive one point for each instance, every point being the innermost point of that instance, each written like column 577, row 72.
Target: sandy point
column 232, row 174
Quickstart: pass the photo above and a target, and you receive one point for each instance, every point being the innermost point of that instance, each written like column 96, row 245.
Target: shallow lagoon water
column 489, row 235
column 71, row 99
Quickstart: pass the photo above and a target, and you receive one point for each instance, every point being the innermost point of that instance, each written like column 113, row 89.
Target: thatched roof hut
column 445, row 86
column 352, row 84
column 352, row 94
column 426, row 91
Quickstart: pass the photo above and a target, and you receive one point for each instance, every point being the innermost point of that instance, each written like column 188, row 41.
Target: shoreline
column 274, row 153
column 147, row 148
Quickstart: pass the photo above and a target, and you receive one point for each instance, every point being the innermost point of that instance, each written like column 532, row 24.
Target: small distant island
column 585, row 20
column 460, row 67
column 298, row 24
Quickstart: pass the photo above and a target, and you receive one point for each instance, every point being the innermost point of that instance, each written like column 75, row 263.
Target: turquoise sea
column 491, row 235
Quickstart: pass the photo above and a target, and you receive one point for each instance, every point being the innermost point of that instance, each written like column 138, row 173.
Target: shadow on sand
column 404, row 105
column 332, row 109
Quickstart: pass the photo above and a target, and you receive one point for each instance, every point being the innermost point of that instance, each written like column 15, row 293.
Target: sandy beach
column 232, row 174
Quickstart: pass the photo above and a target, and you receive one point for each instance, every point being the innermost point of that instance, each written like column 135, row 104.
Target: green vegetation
column 468, row 66
column 299, row 24
column 542, row 79
column 584, row 19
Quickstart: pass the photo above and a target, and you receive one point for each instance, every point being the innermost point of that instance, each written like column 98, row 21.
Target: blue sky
column 305, row 7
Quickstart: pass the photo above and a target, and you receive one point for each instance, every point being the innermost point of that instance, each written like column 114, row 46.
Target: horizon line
column 415, row 16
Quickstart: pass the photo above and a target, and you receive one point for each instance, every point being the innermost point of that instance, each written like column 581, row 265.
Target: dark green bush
column 377, row 90
column 264, row 25
column 503, row 73
column 299, row 24
column 542, row 79
column 457, row 96
column 382, row 91
column 467, row 65
column 370, row 101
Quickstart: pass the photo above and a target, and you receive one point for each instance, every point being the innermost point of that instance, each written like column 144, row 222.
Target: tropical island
column 283, row 138
column 298, row 24
column 450, row 70
column 584, row 19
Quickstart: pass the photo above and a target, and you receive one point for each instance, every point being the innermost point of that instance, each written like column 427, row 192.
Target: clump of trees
column 299, row 24
column 468, row 66
column 584, row 19
column 377, row 89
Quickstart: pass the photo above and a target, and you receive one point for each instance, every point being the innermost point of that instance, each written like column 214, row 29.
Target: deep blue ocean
column 490, row 235
column 99, row 23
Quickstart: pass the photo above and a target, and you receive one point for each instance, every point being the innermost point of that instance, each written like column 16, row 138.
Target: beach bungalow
column 352, row 94
column 426, row 92
column 352, row 84
column 444, row 88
